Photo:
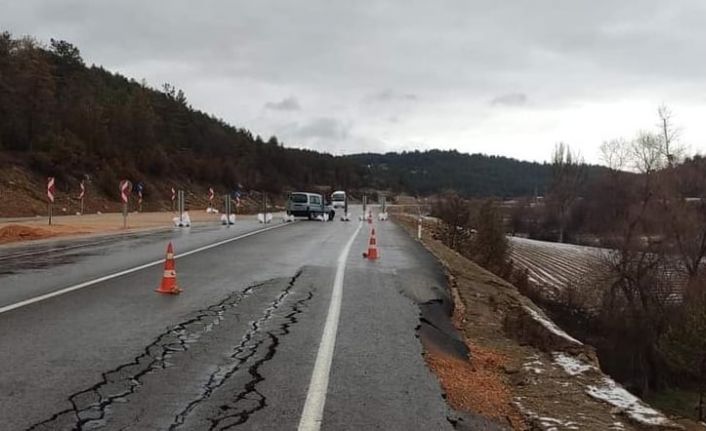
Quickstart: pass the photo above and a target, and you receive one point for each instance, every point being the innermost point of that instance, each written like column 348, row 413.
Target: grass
column 676, row 402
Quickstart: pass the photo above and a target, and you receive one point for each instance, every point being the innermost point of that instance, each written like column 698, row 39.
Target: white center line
column 65, row 290
column 313, row 412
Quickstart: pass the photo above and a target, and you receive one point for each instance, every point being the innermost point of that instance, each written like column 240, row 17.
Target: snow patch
column 572, row 366
column 551, row 326
column 547, row 423
column 633, row 407
column 534, row 365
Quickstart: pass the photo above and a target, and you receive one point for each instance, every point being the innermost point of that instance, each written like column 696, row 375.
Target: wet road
column 240, row 348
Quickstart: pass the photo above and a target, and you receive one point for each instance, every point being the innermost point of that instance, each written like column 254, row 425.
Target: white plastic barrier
column 382, row 216
column 264, row 218
column 225, row 221
column 287, row 218
column 184, row 222
column 211, row 211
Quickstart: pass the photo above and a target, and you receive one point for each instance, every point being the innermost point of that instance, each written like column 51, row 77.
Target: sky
column 508, row 78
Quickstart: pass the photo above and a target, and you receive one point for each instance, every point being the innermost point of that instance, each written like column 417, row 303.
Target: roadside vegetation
column 642, row 302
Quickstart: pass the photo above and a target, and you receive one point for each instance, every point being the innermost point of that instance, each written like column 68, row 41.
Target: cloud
column 391, row 96
column 286, row 104
column 323, row 128
column 511, row 99
column 406, row 59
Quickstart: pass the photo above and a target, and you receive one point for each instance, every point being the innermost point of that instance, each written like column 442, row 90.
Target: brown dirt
column 38, row 228
column 14, row 232
column 475, row 385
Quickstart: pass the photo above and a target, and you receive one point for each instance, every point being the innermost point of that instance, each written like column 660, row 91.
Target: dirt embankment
column 523, row 371
column 29, row 229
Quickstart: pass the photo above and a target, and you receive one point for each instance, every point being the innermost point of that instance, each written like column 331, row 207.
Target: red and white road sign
column 124, row 190
column 211, row 194
column 83, row 191
column 173, row 194
column 50, row 189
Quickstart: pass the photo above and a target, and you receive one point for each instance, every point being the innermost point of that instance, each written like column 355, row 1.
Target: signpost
column 50, row 196
column 82, row 195
column 211, row 195
column 227, row 205
column 173, row 198
column 140, row 187
column 180, row 206
column 125, row 189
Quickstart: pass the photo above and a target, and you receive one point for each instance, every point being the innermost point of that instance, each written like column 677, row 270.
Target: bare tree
column 455, row 213
column 568, row 175
column 670, row 134
column 614, row 154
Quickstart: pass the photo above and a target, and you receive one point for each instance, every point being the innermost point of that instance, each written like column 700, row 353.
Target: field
column 553, row 266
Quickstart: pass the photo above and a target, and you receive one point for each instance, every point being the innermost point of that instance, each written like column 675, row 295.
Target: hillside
column 61, row 118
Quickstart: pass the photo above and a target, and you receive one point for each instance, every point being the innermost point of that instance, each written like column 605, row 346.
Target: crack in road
column 232, row 416
column 88, row 407
column 242, row 353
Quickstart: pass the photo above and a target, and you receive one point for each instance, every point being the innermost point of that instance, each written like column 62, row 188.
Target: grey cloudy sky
column 497, row 77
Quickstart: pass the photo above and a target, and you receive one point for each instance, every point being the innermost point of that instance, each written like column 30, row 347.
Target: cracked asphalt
column 235, row 350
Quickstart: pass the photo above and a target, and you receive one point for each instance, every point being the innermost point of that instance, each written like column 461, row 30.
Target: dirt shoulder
column 31, row 229
column 524, row 372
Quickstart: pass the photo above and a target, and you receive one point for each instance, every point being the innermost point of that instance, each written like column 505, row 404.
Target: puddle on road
column 38, row 262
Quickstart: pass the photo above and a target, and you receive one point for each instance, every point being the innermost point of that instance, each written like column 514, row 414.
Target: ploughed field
column 554, row 266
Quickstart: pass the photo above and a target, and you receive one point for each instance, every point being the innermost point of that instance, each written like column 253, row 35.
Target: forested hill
column 60, row 118
column 65, row 119
column 436, row 171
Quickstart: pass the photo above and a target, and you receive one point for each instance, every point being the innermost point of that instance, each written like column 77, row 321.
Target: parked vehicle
column 309, row 205
column 338, row 199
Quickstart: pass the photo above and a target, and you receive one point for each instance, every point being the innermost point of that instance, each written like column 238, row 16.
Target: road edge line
column 313, row 412
column 26, row 302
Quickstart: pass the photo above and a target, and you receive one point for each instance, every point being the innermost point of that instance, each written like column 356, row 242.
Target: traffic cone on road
column 169, row 284
column 372, row 252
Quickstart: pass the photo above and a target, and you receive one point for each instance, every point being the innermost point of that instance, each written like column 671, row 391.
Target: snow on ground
column 616, row 395
column 571, row 365
column 547, row 423
column 534, row 365
column 550, row 326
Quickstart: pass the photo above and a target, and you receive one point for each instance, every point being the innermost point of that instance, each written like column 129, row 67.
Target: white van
column 310, row 205
column 338, row 199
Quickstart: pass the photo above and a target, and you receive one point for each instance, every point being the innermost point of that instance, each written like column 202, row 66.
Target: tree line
column 62, row 118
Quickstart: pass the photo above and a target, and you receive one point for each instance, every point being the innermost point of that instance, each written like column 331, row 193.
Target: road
column 277, row 327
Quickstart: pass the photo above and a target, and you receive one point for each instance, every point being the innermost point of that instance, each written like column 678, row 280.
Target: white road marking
column 313, row 412
column 65, row 290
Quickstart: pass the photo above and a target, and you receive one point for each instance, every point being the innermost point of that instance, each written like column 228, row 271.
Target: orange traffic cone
column 169, row 284
column 372, row 252
column 370, row 217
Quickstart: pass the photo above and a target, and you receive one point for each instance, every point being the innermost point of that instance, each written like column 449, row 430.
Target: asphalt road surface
column 278, row 327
